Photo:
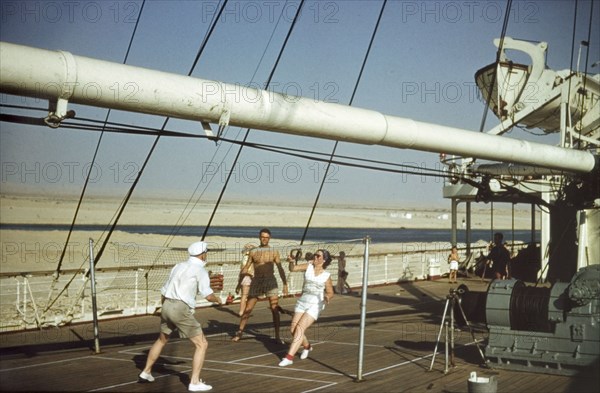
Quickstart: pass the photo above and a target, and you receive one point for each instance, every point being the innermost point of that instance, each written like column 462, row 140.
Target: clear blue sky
column 421, row 66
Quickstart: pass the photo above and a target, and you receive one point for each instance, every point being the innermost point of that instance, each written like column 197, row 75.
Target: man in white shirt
column 178, row 303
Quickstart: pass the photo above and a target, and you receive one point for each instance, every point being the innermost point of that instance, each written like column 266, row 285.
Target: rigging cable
column 183, row 216
column 294, row 152
column 362, row 68
column 122, row 128
column 498, row 54
column 155, row 143
column 587, row 56
column 139, row 174
column 267, row 83
column 550, row 252
column 87, row 180
column 573, row 34
column 183, row 219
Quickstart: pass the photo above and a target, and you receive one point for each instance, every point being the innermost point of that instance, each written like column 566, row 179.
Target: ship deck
column 400, row 335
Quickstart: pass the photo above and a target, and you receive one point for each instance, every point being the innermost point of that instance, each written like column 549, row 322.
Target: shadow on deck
column 400, row 335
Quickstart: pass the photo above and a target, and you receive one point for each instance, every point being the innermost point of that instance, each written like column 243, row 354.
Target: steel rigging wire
column 95, row 155
column 268, row 82
column 122, row 128
column 182, row 219
column 587, row 57
column 335, row 145
column 141, row 171
column 184, row 216
column 573, row 34
column 155, row 143
column 498, row 54
column 87, row 179
column 82, row 124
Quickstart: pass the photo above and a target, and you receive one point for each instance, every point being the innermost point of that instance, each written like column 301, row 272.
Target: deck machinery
column 548, row 329
column 551, row 329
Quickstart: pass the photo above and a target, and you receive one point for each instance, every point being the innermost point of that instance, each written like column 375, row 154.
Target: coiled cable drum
column 529, row 309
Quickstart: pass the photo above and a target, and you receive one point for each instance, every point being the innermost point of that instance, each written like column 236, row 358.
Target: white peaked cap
column 197, row 248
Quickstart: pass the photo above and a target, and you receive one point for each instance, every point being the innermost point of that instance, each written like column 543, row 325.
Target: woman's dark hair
column 326, row 258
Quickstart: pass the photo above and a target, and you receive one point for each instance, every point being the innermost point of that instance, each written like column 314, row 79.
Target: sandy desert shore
column 46, row 210
column 27, row 250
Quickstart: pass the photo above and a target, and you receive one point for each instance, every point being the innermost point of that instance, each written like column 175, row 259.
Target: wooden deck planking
column 401, row 330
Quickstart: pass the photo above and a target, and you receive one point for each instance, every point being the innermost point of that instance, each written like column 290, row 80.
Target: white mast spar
column 61, row 77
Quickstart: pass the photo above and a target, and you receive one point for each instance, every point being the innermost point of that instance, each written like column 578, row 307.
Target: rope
column 141, row 171
column 362, row 68
column 498, row 53
column 529, row 309
column 183, row 217
column 293, row 152
column 87, row 179
column 95, row 155
column 135, row 182
column 268, row 82
column 573, row 33
column 587, row 56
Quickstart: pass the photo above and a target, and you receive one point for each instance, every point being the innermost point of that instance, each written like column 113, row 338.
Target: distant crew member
column 453, row 261
column 342, row 285
column 499, row 257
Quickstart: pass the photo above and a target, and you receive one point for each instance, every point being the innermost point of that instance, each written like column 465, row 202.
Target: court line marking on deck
column 222, row 370
column 414, row 360
column 238, row 362
column 45, row 364
column 406, row 362
column 398, row 365
column 171, row 341
column 404, row 306
column 187, row 368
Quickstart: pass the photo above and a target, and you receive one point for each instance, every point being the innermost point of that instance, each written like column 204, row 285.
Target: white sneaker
column 199, row 387
column 146, row 376
column 285, row 362
column 304, row 353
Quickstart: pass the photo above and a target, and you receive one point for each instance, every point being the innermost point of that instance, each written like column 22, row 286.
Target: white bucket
column 482, row 384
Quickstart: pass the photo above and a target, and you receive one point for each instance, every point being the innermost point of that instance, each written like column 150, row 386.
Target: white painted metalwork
column 117, row 86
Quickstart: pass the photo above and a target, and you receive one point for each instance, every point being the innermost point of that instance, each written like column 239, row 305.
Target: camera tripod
column 452, row 299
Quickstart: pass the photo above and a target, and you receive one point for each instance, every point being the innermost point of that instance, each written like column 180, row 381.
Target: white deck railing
column 36, row 299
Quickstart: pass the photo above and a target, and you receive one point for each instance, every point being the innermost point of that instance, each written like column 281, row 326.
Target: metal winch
column 553, row 330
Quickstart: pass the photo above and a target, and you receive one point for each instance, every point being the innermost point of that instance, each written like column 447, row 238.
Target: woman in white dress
column 317, row 291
